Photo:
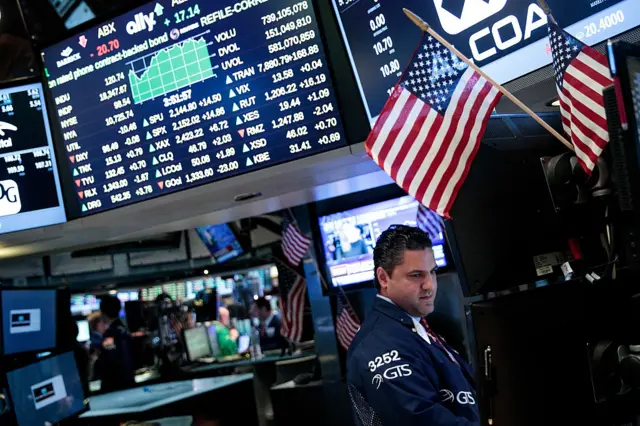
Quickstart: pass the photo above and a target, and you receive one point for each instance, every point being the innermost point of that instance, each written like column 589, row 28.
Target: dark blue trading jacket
column 396, row 378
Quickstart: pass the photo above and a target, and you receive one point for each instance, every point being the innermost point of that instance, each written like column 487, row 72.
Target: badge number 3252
column 383, row 360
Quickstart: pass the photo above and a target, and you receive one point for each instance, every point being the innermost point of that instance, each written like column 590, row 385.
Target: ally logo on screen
column 458, row 15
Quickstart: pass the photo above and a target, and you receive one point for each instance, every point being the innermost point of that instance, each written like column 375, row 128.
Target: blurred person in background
column 116, row 358
column 226, row 335
column 270, row 325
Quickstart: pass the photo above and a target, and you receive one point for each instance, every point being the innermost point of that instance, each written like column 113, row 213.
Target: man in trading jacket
column 399, row 371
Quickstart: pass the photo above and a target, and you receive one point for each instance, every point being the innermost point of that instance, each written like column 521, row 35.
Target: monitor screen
column 28, row 320
column 47, row 392
column 30, row 193
column 197, row 342
column 174, row 95
column 348, row 238
column 221, row 241
column 507, row 38
column 84, row 335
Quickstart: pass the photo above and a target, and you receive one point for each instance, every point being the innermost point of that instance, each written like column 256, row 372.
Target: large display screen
column 349, row 238
column 30, row 193
column 47, row 392
column 507, row 38
column 175, row 94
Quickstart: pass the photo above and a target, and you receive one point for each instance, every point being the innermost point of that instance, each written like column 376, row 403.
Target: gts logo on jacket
column 464, row 398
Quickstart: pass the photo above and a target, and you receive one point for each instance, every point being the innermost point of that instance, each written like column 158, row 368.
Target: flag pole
column 427, row 29
column 547, row 11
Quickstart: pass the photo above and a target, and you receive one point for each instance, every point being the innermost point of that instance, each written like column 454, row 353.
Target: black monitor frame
column 65, row 422
column 349, row 202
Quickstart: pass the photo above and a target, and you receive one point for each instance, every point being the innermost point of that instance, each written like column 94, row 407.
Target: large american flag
column 294, row 243
column 347, row 323
column 431, row 127
column 581, row 75
column 429, row 221
column 293, row 290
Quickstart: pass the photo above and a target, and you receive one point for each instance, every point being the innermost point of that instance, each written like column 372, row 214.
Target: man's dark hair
column 390, row 247
column 110, row 306
column 262, row 302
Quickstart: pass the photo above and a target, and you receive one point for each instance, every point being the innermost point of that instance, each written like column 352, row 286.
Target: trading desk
column 263, row 372
column 171, row 399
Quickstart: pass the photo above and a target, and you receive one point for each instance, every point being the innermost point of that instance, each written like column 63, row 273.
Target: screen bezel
column 49, row 130
column 346, row 203
column 59, row 336
column 64, row 422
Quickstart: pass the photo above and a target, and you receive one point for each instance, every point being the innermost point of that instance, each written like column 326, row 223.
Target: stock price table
column 177, row 93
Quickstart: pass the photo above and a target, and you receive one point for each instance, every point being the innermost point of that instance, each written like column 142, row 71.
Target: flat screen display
column 507, row 38
column 28, row 320
column 349, row 237
column 30, row 193
column 175, row 94
column 47, row 392
column 221, row 241
column 197, row 342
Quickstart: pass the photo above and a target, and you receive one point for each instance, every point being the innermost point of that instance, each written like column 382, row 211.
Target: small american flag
column 429, row 221
column 431, row 127
column 347, row 323
column 294, row 243
column 581, row 75
column 293, row 290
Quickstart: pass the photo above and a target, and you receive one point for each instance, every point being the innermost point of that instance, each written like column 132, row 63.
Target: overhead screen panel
column 507, row 38
column 30, row 194
column 166, row 98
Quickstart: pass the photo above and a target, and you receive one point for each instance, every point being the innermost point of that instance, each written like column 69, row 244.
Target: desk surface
column 140, row 378
column 246, row 362
column 146, row 398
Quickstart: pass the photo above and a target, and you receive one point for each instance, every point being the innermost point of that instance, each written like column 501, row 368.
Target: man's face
column 413, row 284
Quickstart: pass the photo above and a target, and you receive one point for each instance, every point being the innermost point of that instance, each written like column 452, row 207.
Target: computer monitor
column 244, row 342
column 349, row 237
column 28, row 320
column 84, row 335
column 48, row 391
column 197, row 342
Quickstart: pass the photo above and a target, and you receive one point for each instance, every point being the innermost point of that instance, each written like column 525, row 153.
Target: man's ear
column 383, row 277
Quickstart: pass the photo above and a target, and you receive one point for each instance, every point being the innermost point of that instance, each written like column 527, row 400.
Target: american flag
column 431, row 127
column 294, row 243
column 429, row 221
column 347, row 323
column 581, row 75
column 293, row 290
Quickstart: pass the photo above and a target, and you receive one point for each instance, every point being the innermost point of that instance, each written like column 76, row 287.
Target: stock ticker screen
column 30, row 194
column 507, row 38
column 176, row 94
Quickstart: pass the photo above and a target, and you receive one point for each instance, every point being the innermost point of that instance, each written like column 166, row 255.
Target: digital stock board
column 507, row 38
column 30, row 194
column 179, row 93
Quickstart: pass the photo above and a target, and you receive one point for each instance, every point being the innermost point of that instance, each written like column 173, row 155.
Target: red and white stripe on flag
column 292, row 310
column 294, row 243
column 347, row 324
column 582, row 73
column 431, row 127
